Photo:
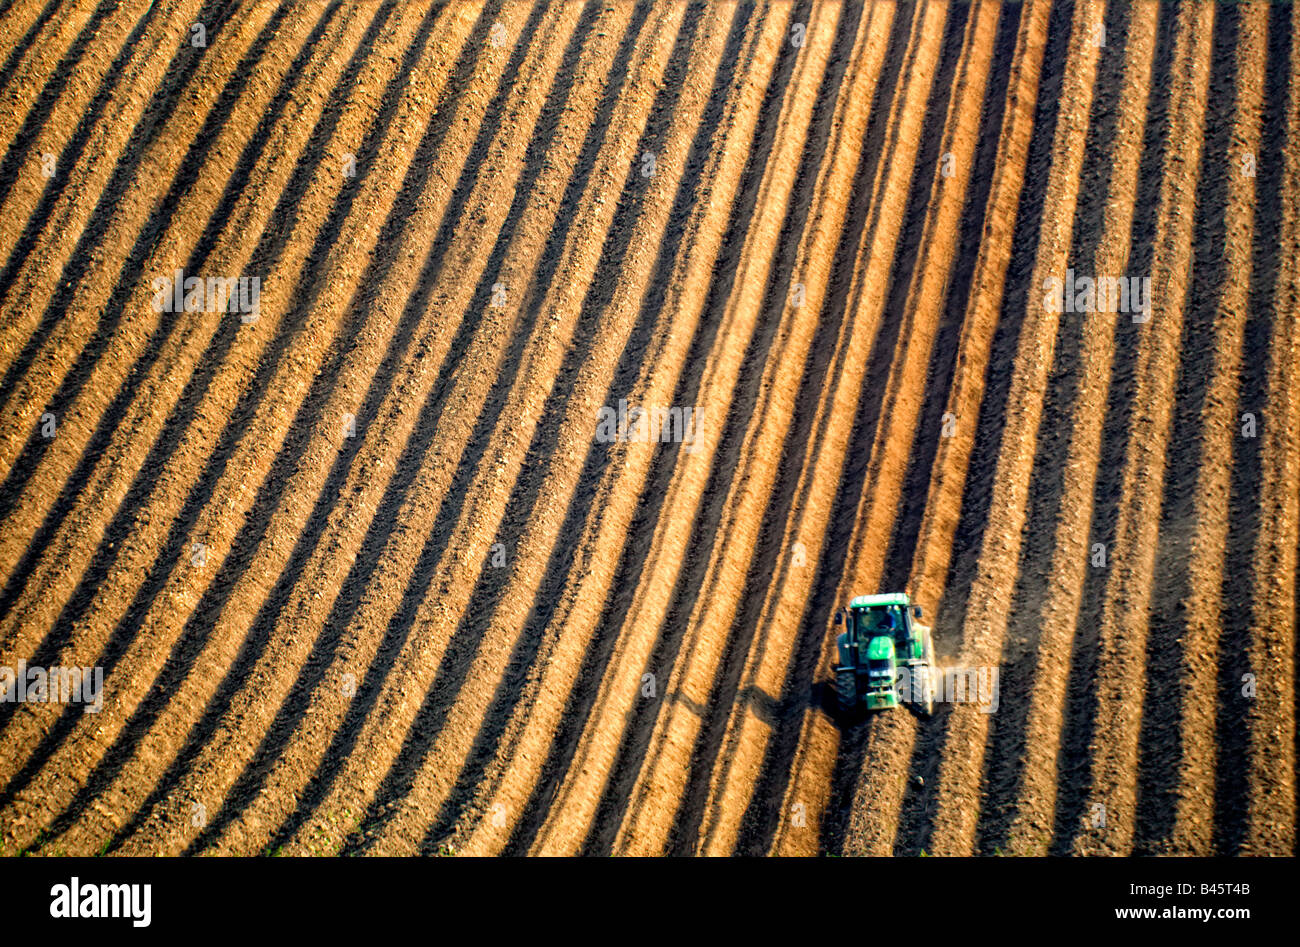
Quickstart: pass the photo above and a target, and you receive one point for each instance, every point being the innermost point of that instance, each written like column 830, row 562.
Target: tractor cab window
column 881, row 620
column 866, row 623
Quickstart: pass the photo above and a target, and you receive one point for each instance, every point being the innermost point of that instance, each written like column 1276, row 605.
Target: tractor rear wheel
column 846, row 688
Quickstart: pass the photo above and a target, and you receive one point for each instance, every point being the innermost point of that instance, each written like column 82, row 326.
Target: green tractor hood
column 881, row 648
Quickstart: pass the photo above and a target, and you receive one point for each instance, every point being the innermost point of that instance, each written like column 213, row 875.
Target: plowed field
column 588, row 357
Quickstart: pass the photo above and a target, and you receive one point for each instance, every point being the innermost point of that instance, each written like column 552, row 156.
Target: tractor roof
column 891, row 598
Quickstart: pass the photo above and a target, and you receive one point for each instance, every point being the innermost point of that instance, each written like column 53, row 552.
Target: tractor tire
column 846, row 689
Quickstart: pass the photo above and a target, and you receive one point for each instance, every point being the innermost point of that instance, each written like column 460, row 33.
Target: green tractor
column 886, row 656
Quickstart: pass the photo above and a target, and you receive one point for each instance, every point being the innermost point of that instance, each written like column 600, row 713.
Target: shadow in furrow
column 20, row 48
column 1006, row 745
column 803, row 689
column 1236, row 721
column 108, row 427
column 198, row 633
column 494, row 584
column 920, row 803
column 1074, row 758
column 770, row 571
column 20, row 149
column 459, row 654
column 408, row 466
column 1160, row 751
column 197, row 629
column 125, row 174
column 947, row 341
column 580, row 706
column 276, row 741
column 636, row 752
column 110, row 320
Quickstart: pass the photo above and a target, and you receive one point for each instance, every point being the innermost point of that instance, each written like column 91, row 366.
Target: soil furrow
column 160, row 633
column 653, row 351
column 137, row 398
column 412, row 496
column 508, row 598
column 573, row 814
column 40, row 120
column 654, row 803
column 768, row 665
column 86, row 41
column 1019, row 803
column 1270, row 822
column 579, row 329
column 32, row 21
column 518, row 249
column 346, row 483
column 595, row 355
column 50, row 258
column 538, row 745
column 989, row 603
column 155, row 473
column 357, row 502
column 1124, row 624
column 1174, row 810
column 819, row 742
